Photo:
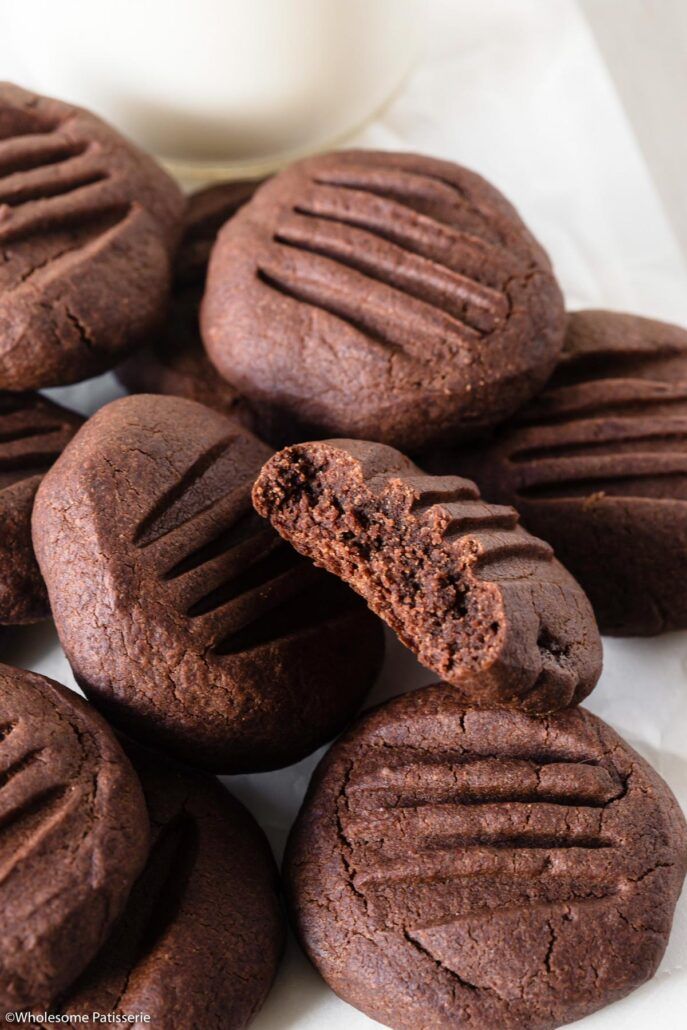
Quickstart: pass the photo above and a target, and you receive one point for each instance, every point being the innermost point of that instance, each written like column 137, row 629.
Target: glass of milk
column 219, row 87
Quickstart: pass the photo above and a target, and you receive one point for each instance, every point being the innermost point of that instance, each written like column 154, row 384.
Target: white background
column 520, row 91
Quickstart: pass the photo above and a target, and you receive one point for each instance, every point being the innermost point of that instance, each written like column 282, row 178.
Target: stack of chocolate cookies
column 480, row 852
column 493, row 855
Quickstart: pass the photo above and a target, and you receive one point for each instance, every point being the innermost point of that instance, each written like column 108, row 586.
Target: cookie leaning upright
column 88, row 226
column 479, row 601
column 482, row 867
column 390, row 297
column 73, row 836
column 183, row 615
column 597, row 465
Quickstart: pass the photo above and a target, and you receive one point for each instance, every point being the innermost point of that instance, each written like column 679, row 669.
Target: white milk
column 242, row 83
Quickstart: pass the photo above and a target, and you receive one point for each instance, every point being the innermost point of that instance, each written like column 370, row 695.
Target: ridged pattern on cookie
column 33, row 432
column 197, row 628
column 77, row 203
column 598, row 466
column 359, row 232
column 616, row 424
column 413, row 275
column 488, row 867
column 221, row 567
column 479, row 600
column 73, row 836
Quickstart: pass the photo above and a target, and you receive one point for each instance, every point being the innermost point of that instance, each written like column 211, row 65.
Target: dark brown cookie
column 177, row 364
column 479, row 601
column 201, row 937
column 389, row 297
column 87, row 228
column 185, row 617
column 33, row 431
column 73, row 836
column 206, row 212
column 597, row 465
column 483, row 867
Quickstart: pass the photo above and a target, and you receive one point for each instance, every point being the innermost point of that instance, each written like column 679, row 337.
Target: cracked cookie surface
column 199, row 942
column 384, row 296
column 597, row 465
column 476, row 598
column 482, row 867
column 183, row 615
column 88, row 225
column 73, row 836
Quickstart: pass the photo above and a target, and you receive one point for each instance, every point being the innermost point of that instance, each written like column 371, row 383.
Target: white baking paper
column 518, row 91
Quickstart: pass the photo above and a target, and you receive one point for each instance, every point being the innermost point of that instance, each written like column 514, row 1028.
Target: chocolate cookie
column 206, row 212
column 480, row 601
column 87, row 227
column 73, row 837
column 483, row 867
column 597, row 465
column 201, row 937
column 390, row 297
column 184, row 617
column 33, row 431
column 177, row 364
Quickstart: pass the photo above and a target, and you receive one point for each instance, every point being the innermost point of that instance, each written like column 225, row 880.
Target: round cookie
column 597, row 465
column 184, row 617
column 33, row 431
column 88, row 226
column 477, row 599
column 177, row 364
column 73, row 837
column 200, row 940
column 484, row 868
column 390, row 297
